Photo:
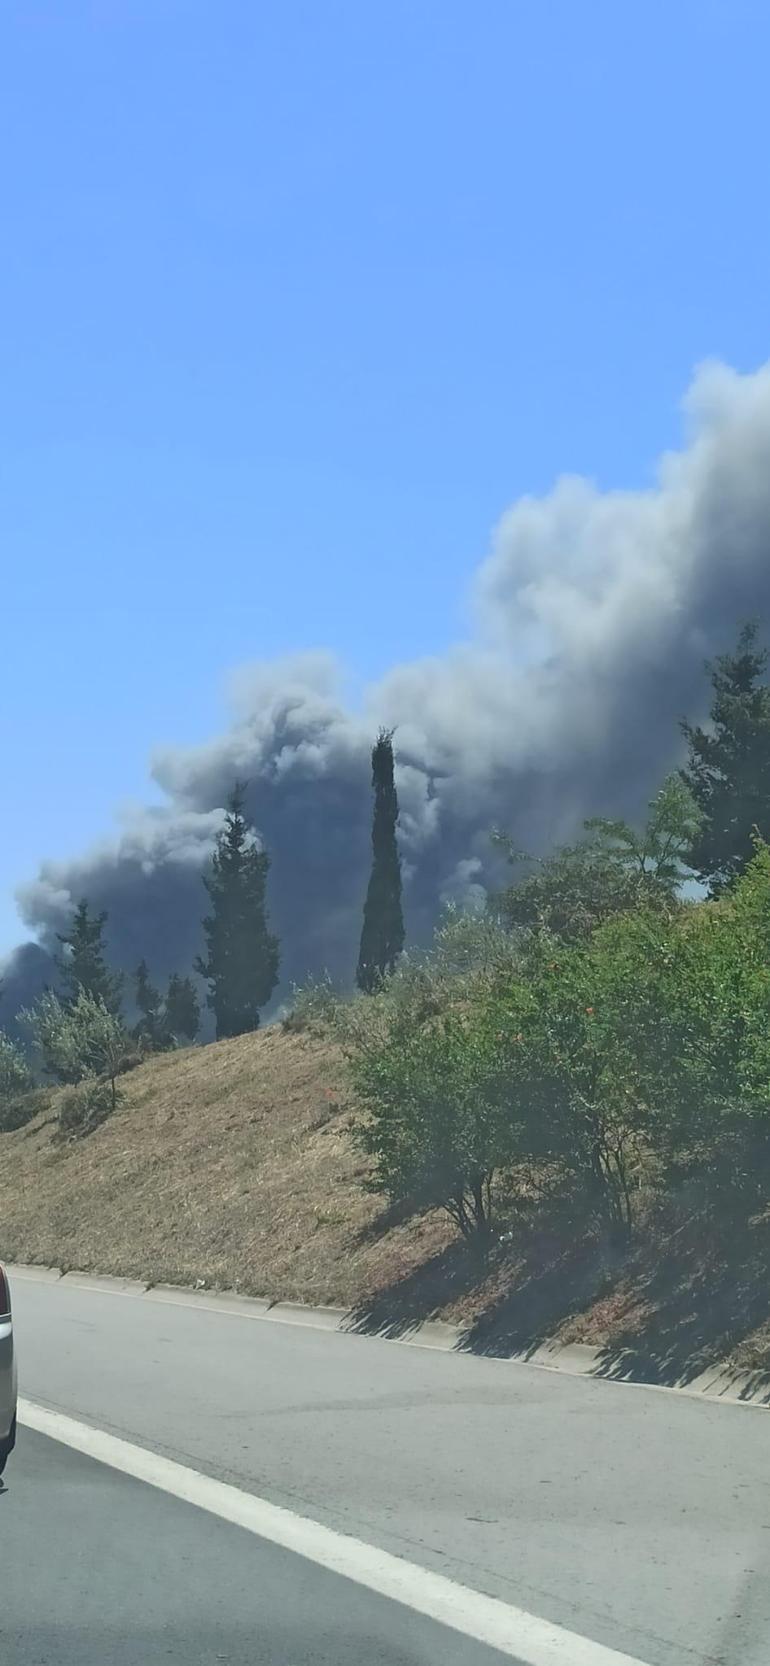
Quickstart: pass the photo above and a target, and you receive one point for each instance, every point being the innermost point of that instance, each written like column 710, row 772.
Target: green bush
column 17, row 1100
column 630, row 1062
column 77, row 1039
column 314, row 1008
column 440, row 1117
column 83, row 1108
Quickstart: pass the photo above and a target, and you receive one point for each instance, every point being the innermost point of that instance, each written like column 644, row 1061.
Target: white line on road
column 522, row 1636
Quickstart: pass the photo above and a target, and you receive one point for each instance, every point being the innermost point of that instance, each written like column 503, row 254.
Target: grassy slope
column 233, row 1164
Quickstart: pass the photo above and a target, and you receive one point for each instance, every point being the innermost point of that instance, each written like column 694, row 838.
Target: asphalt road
column 101, row 1570
column 634, row 1517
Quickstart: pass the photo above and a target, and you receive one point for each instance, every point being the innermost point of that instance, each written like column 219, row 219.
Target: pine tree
column 150, row 1028
column 382, row 934
column 241, row 963
column 728, row 770
column 83, row 964
column 182, row 1010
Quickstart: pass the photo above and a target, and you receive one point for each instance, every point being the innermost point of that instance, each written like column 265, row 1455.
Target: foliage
column 703, row 1048
column 82, row 1108
column 631, row 1060
column 435, row 1125
column 315, row 1006
column 15, row 1073
column 241, row 963
column 572, row 891
column 18, row 1101
column 150, row 1030
column 77, row 1039
column 468, row 953
column 382, row 933
column 83, row 965
column 728, row 769
column 659, row 855
column 570, row 1057
column 182, row 1013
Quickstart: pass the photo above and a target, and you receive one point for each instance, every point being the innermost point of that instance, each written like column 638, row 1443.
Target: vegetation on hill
column 557, row 1118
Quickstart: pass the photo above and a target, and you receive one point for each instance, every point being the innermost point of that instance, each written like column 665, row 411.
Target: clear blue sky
column 292, row 291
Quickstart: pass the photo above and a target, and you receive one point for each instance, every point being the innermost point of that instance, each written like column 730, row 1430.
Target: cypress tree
column 83, row 963
column 242, row 956
column 728, row 769
column 382, row 934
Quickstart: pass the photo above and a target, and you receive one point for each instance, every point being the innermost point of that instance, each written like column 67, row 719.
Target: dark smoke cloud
column 594, row 612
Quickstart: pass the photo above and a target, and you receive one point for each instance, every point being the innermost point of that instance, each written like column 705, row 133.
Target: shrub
column 77, row 1039
column 440, row 1118
column 83, row 1108
column 15, row 1073
column 314, row 1007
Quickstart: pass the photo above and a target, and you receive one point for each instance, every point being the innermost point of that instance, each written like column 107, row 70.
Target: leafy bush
column 440, row 1116
column 314, row 1007
column 613, row 870
column 83, row 1108
column 77, row 1039
column 630, row 1061
column 15, row 1073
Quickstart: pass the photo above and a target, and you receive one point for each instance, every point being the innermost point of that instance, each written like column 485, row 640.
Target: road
column 637, row 1519
column 100, row 1570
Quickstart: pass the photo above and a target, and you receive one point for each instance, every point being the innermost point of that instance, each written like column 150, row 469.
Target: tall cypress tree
column 728, row 769
column 83, row 963
column 382, row 934
column 242, row 956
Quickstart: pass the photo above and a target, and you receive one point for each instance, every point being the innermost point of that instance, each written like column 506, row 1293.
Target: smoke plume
column 594, row 612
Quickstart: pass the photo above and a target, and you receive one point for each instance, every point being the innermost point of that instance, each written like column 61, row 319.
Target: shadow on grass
column 701, row 1304
column 422, row 1294
column 393, row 1214
column 674, row 1306
column 547, row 1287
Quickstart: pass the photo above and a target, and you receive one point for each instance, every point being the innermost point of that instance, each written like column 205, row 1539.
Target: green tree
column 242, row 955
column 728, row 768
column 82, row 963
column 382, row 934
column 77, row 1039
column 657, row 858
column 435, row 1125
column 615, row 868
column 150, row 1028
column 182, row 1013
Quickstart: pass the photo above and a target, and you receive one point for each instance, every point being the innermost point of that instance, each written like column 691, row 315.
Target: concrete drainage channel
column 718, row 1382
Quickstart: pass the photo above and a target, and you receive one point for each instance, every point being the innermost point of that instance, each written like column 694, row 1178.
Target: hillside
column 230, row 1163
column 233, row 1165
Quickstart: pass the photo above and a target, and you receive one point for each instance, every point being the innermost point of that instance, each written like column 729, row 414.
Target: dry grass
column 234, row 1164
column 231, row 1163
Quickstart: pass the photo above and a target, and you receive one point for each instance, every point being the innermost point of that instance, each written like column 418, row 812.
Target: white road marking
column 523, row 1637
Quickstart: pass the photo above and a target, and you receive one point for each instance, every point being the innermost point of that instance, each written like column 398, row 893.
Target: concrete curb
column 720, row 1382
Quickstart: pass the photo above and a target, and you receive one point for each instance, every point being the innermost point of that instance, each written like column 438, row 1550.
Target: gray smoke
column 594, row 612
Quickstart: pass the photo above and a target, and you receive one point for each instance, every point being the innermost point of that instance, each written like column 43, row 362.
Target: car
column 7, row 1373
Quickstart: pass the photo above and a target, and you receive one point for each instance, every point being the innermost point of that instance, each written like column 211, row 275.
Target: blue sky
column 295, row 292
